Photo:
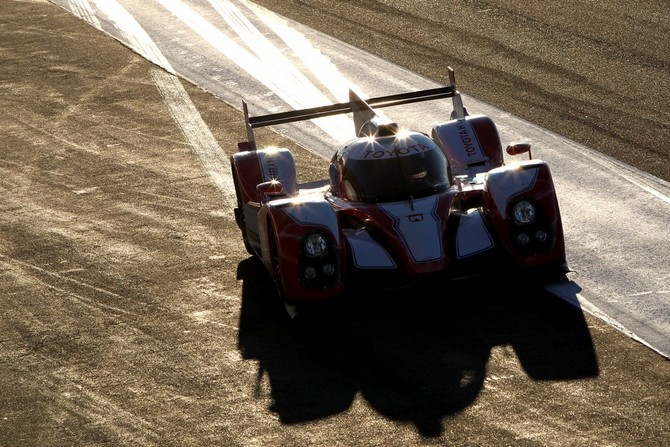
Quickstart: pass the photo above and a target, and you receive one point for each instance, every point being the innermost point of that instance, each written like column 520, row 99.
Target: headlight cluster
column 318, row 260
column 315, row 245
column 530, row 230
column 524, row 212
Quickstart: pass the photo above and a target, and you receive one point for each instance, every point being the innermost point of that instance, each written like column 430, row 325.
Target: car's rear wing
column 253, row 122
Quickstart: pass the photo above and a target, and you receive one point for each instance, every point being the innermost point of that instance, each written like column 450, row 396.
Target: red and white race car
column 397, row 205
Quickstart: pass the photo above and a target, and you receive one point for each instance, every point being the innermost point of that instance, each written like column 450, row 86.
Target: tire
column 274, row 262
column 239, row 216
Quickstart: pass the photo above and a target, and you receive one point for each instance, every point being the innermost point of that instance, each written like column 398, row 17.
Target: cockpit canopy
column 389, row 168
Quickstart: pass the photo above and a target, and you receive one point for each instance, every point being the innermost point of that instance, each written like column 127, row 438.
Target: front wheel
column 239, row 216
column 274, row 263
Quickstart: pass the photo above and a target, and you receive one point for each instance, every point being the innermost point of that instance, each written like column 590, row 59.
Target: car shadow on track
column 415, row 355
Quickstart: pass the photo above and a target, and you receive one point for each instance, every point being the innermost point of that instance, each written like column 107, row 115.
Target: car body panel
column 471, row 144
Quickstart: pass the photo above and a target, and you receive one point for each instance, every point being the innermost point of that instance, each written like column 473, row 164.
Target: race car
column 396, row 205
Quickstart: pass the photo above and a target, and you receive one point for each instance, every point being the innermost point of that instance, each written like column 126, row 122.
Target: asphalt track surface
column 131, row 314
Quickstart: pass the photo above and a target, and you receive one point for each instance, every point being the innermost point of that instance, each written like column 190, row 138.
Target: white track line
column 82, row 8
column 203, row 143
column 262, row 60
column 182, row 109
column 137, row 37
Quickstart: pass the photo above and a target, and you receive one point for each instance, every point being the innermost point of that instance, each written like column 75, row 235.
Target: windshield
column 393, row 169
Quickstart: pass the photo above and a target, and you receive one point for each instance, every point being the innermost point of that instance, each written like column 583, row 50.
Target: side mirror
column 271, row 188
column 517, row 148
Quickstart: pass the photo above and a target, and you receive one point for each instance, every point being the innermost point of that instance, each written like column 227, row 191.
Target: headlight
column 522, row 239
column 328, row 269
column 315, row 245
column 524, row 212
